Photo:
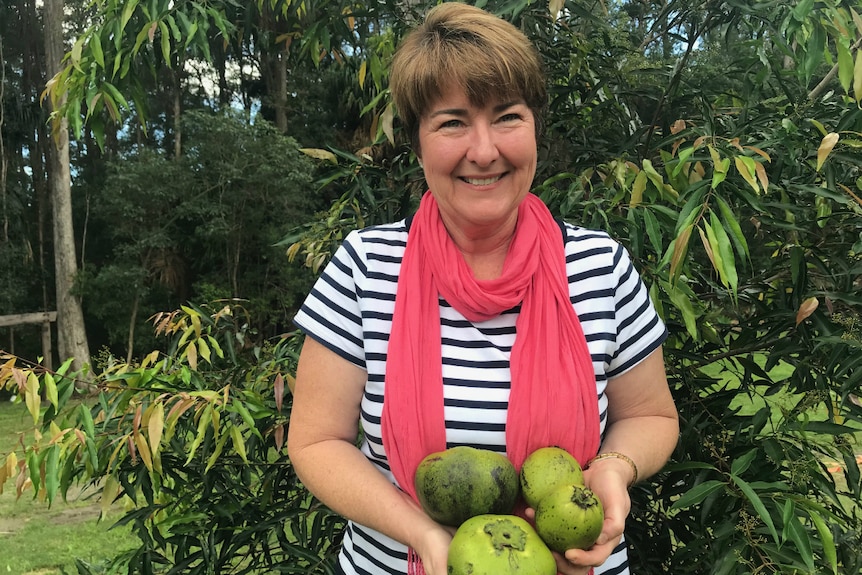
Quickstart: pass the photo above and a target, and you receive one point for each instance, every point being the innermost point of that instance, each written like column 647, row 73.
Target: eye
column 453, row 123
column 510, row 117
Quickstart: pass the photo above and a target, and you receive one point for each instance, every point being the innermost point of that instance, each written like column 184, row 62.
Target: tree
column 70, row 317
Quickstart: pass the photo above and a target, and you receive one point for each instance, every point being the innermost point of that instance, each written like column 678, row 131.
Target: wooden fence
column 43, row 317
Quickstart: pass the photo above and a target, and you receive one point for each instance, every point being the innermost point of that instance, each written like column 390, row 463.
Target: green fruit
column 569, row 517
column 499, row 545
column 462, row 482
column 545, row 469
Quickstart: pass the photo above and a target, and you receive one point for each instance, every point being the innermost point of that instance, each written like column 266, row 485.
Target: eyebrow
column 463, row 112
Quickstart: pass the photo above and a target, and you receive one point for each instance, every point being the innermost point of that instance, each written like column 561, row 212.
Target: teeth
column 481, row 181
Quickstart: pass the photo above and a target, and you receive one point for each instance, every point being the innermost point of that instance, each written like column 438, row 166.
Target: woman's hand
column 434, row 549
column 609, row 481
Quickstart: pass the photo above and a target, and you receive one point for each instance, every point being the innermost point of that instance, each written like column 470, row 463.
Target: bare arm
column 642, row 424
column 321, row 441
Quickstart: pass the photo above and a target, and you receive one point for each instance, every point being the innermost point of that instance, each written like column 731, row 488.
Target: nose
column 483, row 149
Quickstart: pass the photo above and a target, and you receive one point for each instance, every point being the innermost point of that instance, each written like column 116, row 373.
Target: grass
column 38, row 539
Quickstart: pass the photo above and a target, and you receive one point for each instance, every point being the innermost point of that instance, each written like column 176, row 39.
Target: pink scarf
column 552, row 400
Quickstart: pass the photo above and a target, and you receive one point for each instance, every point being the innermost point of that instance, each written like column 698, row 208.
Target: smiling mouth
column 482, row 181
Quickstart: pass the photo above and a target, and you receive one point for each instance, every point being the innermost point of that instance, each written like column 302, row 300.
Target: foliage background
column 718, row 141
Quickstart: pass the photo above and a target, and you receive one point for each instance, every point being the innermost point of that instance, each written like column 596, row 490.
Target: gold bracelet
column 617, row 455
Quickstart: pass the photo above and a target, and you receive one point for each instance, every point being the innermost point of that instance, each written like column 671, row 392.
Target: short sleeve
column 331, row 313
column 640, row 330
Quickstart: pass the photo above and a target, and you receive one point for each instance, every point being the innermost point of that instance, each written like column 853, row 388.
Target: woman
column 480, row 321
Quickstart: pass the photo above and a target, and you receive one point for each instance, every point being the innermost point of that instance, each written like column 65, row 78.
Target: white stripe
column 590, row 256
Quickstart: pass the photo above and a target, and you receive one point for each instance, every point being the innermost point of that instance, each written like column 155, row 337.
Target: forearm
column 340, row 475
column 647, row 440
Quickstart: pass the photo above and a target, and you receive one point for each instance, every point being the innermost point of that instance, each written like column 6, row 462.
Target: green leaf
column 802, row 10
column 165, row 42
column 732, row 223
column 682, row 159
column 758, row 505
column 33, row 466
column 203, row 425
column 741, row 464
column 96, row 49
column 682, row 302
column 826, row 539
column 845, row 66
column 239, row 407
column 52, row 472
column 725, row 257
column 128, row 8
column 653, row 230
column 799, row 535
column 857, row 77
column 86, row 420
column 115, row 94
column 697, row 494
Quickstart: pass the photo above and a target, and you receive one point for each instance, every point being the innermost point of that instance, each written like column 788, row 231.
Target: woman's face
column 479, row 162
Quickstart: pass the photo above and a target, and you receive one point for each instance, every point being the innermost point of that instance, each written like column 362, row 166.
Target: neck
column 484, row 248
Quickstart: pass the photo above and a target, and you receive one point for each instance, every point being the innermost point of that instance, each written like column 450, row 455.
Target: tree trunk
column 280, row 92
column 71, row 333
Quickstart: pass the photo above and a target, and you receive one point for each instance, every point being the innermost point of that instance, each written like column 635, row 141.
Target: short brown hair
column 457, row 43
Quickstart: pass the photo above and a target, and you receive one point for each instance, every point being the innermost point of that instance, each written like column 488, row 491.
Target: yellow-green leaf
column 11, row 463
column 143, row 450
column 363, row 70
column 192, row 355
column 653, row 175
column 128, row 7
column 826, row 145
column 707, row 245
column 238, row 442
column 857, row 77
column 204, row 350
column 75, row 54
column 110, row 490
column 156, row 425
column 761, row 176
column 638, row 188
column 165, row 42
column 682, row 302
column 680, row 248
column 320, row 154
column 746, row 169
column 216, row 452
column 203, row 424
column 845, row 66
column 51, row 391
column 32, row 398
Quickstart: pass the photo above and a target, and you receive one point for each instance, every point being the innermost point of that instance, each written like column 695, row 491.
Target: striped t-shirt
column 349, row 310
